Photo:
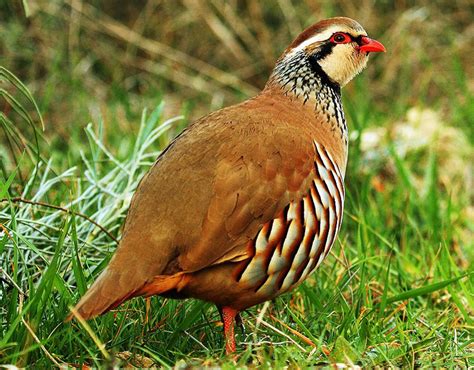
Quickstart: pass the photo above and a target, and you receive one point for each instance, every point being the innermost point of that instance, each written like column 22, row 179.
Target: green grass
column 397, row 290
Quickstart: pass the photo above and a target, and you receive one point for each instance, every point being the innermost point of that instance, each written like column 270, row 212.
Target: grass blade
column 427, row 289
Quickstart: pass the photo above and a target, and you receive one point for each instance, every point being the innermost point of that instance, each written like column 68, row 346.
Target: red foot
column 228, row 319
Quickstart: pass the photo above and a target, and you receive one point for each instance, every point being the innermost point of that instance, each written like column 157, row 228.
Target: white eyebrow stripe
column 322, row 36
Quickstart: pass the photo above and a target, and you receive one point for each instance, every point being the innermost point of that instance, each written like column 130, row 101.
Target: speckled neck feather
column 299, row 75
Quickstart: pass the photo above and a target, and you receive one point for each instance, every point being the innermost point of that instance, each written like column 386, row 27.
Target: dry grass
column 216, row 51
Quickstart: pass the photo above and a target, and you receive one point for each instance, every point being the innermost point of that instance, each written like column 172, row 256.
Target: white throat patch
column 343, row 64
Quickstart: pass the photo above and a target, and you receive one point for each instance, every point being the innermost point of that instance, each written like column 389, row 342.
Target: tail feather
column 106, row 293
column 101, row 297
column 164, row 283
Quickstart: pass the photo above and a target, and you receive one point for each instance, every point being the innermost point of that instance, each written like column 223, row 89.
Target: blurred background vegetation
column 83, row 59
column 410, row 176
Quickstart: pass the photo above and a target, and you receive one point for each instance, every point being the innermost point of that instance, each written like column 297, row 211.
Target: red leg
column 228, row 315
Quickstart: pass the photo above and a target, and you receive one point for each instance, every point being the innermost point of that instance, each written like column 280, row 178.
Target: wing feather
column 207, row 196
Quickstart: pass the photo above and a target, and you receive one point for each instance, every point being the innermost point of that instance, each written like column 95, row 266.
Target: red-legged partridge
column 247, row 201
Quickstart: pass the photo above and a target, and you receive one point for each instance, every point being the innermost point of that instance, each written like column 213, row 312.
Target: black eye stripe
column 357, row 39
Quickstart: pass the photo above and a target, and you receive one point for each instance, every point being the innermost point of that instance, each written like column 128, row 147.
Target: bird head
column 335, row 49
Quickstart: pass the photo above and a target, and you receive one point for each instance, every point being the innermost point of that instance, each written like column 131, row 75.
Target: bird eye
column 340, row 38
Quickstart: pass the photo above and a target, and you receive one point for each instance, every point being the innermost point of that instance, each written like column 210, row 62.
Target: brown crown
column 323, row 26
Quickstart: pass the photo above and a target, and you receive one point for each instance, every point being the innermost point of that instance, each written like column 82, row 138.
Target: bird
column 246, row 202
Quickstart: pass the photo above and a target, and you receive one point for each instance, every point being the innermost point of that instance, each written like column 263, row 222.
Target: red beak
column 369, row 45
